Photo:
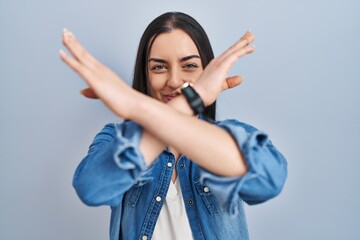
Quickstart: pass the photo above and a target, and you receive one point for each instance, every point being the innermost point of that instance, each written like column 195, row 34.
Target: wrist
column 180, row 104
column 132, row 101
column 202, row 94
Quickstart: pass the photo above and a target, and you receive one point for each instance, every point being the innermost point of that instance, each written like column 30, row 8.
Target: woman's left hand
column 211, row 82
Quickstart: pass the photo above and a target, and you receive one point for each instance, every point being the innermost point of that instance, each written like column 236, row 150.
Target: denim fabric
column 114, row 173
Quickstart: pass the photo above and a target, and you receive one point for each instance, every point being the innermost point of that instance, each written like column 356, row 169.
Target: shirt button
column 190, row 202
column 182, row 165
column 158, row 199
column 144, row 237
column 206, row 189
column 169, row 164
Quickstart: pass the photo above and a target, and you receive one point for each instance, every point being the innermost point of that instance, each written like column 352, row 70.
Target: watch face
column 185, row 85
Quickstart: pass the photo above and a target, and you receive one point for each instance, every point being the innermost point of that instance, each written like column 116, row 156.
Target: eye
column 190, row 66
column 158, row 68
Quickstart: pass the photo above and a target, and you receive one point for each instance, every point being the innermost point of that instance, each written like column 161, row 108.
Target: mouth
column 169, row 97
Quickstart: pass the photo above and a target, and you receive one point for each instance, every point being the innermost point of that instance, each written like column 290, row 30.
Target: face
column 173, row 60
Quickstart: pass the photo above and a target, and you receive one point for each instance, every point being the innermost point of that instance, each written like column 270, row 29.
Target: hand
column 103, row 83
column 211, row 82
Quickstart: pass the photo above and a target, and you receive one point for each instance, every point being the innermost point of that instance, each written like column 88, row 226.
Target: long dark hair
column 163, row 24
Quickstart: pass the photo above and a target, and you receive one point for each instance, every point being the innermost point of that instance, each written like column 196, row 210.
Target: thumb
column 89, row 93
column 232, row 82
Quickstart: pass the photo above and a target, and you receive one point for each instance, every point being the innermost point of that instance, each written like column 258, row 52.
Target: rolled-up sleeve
column 267, row 169
column 113, row 165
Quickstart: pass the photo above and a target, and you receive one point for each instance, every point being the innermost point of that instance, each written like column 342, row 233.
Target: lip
column 169, row 97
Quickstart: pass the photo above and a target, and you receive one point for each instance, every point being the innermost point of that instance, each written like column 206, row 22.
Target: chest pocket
column 209, row 199
column 131, row 197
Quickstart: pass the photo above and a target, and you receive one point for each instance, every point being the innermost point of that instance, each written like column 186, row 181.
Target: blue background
column 301, row 87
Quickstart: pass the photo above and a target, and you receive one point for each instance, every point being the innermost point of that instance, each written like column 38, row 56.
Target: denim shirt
column 114, row 173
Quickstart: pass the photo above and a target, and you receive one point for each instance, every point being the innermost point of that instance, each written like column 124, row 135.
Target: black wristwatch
column 193, row 98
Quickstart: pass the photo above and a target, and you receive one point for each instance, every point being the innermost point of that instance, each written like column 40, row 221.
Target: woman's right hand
column 211, row 82
column 103, row 83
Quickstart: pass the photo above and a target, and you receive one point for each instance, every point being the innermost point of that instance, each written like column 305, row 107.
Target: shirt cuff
column 127, row 154
column 255, row 186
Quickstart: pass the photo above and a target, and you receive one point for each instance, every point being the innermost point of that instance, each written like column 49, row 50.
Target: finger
column 89, row 93
column 248, row 37
column 232, row 82
column 75, row 65
column 233, row 57
column 77, row 50
column 242, row 43
column 227, row 62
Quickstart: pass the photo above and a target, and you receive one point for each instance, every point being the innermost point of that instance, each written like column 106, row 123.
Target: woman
column 170, row 171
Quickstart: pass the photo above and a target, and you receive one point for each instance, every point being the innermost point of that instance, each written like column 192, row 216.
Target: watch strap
column 193, row 98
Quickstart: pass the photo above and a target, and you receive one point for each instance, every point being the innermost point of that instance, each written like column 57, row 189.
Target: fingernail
column 67, row 32
column 61, row 52
column 249, row 30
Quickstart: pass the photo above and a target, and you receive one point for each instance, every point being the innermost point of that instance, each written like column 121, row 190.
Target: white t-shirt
column 173, row 222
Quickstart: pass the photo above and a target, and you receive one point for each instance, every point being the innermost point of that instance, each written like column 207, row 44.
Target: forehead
column 176, row 43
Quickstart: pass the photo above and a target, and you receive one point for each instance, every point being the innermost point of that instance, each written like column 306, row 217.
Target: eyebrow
column 184, row 59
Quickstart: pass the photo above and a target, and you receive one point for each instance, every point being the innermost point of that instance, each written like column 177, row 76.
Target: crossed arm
column 209, row 146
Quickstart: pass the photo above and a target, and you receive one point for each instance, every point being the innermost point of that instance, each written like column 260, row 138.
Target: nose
column 174, row 79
